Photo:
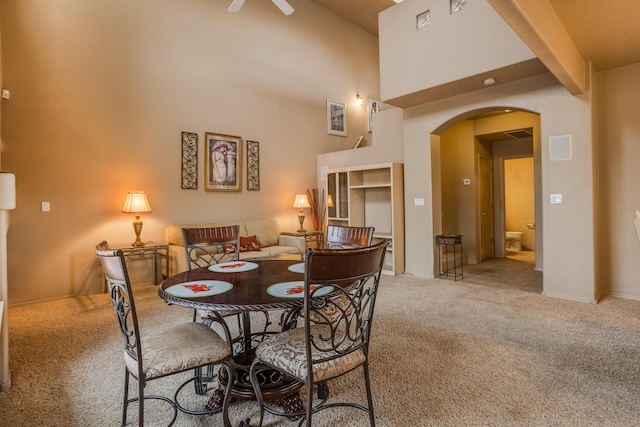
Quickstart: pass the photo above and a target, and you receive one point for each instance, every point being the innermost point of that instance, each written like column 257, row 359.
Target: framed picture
column 336, row 118
column 373, row 108
column 189, row 160
column 223, row 161
column 253, row 165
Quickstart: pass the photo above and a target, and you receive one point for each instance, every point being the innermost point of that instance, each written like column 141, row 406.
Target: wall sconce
column 136, row 203
column 301, row 201
column 359, row 99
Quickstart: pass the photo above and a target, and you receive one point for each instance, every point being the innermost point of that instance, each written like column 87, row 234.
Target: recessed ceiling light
column 489, row 81
column 397, row 1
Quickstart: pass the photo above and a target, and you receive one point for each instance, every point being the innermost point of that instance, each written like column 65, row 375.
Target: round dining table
column 256, row 286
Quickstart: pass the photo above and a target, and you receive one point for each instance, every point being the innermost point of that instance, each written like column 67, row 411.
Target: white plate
column 294, row 290
column 233, row 267
column 297, row 268
column 200, row 288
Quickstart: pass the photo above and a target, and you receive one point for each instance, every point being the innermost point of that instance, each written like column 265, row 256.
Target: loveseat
column 267, row 235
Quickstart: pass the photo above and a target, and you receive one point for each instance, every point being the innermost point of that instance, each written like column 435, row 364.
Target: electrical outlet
column 46, row 206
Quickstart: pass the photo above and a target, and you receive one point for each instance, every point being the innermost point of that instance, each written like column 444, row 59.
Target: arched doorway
column 470, row 171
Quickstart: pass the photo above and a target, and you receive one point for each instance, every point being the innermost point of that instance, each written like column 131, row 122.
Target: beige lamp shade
column 136, row 203
column 301, row 201
column 330, row 201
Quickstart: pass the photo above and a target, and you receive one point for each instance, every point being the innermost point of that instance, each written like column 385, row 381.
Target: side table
column 155, row 250
column 316, row 237
column 446, row 241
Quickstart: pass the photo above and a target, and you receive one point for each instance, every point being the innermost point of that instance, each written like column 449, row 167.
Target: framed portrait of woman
column 223, row 162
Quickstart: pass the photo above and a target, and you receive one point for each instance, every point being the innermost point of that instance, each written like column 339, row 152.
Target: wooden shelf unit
column 374, row 197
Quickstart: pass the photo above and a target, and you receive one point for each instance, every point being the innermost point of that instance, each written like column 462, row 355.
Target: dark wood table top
column 249, row 292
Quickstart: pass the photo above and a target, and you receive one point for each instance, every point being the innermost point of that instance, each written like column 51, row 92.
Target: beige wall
column 102, row 90
column 452, row 48
column 561, row 113
column 457, row 161
column 619, row 151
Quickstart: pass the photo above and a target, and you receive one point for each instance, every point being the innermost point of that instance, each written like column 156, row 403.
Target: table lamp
column 301, row 201
column 136, row 203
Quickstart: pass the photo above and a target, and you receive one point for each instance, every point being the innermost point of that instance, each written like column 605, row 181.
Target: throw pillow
column 248, row 244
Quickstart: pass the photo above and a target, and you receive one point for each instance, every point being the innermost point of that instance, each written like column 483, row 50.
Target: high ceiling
column 606, row 32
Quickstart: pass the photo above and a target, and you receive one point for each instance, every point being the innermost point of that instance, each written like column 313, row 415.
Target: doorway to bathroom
column 519, row 207
column 490, row 183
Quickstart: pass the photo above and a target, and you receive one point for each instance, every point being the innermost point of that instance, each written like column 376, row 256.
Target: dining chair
column 344, row 237
column 325, row 349
column 207, row 246
column 177, row 349
column 340, row 236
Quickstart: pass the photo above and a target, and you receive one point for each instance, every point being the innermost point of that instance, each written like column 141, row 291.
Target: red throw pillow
column 248, row 244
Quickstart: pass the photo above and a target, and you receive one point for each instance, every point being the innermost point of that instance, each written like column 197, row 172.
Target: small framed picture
column 374, row 108
column 223, row 161
column 189, row 160
column 253, row 165
column 336, row 118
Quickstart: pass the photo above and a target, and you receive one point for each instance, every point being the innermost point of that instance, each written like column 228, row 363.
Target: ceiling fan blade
column 235, row 5
column 283, row 6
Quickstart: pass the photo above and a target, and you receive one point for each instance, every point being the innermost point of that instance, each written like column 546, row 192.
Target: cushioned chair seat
column 286, row 351
column 177, row 349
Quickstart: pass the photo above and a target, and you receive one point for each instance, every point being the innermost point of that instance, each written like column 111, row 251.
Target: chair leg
column 227, row 395
column 367, row 384
column 309, row 402
column 125, row 404
column 140, row 402
column 257, row 391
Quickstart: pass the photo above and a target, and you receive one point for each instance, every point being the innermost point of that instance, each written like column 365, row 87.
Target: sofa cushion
column 267, row 231
column 249, row 244
column 271, row 252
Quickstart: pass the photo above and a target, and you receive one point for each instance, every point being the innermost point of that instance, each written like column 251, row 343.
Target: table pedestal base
column 275, row 386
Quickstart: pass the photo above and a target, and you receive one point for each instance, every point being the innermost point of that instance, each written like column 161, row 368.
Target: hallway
column 513, row 272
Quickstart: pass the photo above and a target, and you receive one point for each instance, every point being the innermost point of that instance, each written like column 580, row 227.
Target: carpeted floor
column 442, row 354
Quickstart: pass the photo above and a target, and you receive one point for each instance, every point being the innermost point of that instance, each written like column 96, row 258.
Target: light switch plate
column 555, row 199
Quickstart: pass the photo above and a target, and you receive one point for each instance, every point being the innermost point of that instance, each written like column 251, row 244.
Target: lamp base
column 137, row 228
column 137, row 243
column 301, row 219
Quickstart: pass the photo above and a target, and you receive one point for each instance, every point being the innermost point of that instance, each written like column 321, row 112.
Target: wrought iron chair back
column 117, row 277
column 341, row 237
column 120, row 290
column 340, row 289
column 351, row 277
column 207, row 246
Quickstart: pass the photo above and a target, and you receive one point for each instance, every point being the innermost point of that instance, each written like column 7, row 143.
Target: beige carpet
column 443, row 354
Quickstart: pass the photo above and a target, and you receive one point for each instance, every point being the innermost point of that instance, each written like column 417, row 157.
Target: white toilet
column 514, row 240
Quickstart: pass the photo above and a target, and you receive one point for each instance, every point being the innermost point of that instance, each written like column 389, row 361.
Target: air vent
column 519, row 133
